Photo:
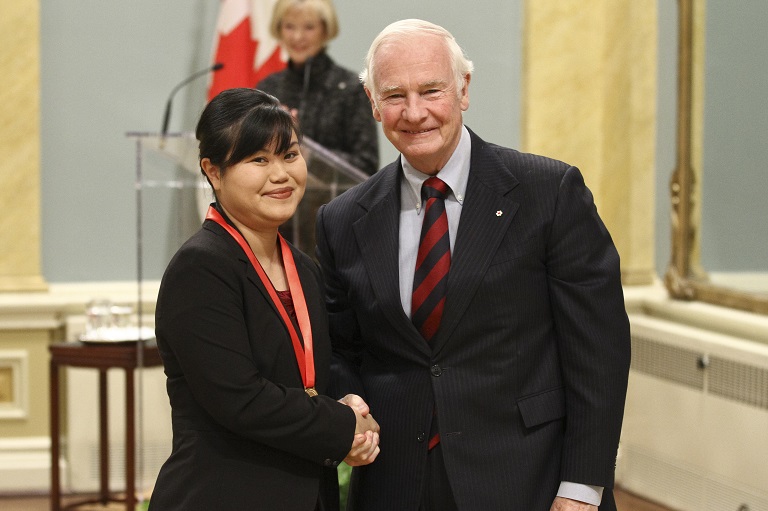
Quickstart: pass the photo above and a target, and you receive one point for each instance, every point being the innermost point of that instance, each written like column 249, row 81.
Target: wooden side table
column 101, row 356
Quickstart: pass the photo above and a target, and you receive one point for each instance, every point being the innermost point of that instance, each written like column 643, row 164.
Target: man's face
column 417, row 102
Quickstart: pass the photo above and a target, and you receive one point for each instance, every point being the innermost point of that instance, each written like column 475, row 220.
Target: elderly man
column 475, row 302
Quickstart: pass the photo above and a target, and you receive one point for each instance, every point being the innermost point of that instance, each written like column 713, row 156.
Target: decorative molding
column 25, row 465
column 14, row 384
column 45, row 310
column 22, row 283
column 44, row 320
column 654, row 301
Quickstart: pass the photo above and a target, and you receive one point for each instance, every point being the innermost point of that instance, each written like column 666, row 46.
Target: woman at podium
column 242, row 330
column 329, row 101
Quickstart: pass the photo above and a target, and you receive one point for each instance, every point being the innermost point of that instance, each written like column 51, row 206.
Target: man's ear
column 464, row 99
column 375, row 111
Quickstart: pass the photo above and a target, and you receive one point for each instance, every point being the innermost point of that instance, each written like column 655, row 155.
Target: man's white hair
column 461, row 65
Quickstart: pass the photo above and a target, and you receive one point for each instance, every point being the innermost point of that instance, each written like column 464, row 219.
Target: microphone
column 305, row 87
column 167, row 116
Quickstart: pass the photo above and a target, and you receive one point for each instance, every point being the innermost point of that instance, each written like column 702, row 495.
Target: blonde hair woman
column 328, row 100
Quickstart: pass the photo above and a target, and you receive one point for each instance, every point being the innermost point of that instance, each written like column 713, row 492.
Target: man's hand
column 356, row 402
column 563, row 504
column 365, row 422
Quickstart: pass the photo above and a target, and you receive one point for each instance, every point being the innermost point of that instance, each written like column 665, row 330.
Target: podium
column 328, row 175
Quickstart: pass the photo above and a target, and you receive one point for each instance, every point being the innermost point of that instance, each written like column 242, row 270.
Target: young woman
column 243, row 333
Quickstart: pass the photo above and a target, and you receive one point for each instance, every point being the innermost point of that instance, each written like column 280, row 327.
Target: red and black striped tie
column 433, row 260
column 432, row 263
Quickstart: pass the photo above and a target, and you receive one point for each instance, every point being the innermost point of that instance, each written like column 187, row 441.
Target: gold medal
column 311, row 392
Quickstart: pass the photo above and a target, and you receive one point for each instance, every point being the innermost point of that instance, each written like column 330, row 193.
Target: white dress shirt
column 455, row 174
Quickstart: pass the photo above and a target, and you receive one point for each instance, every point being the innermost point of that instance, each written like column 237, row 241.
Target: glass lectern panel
column 172, row 195
column 328, row 176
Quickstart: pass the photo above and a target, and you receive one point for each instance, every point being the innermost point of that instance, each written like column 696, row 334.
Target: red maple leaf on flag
column 237, row 50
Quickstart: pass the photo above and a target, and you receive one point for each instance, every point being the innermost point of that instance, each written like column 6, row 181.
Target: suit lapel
column 377, row 234
column 250, row 272
column 479, row 236
column 485, row 218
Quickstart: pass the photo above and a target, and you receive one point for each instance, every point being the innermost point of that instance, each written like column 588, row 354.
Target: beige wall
column 589, row 90
column 20, row 146
column 589, row 99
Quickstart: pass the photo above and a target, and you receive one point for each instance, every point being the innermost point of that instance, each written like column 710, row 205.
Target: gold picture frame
column 685, row 279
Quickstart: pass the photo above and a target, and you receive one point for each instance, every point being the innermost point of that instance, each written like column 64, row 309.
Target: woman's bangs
column 263, row 128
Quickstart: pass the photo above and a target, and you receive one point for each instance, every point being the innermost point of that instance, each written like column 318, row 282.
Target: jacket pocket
column 543, row 407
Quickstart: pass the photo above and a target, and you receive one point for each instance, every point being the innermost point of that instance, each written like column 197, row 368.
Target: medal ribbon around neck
column 304, row 356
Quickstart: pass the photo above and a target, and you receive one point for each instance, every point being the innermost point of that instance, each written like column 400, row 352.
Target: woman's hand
column 365, row 448
column 365, row 445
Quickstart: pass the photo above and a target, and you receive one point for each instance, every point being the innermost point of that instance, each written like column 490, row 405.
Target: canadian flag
column 244, row 45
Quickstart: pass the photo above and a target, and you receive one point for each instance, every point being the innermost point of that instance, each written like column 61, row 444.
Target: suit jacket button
column 330, row 463
column 422, row 436
column 436, row 370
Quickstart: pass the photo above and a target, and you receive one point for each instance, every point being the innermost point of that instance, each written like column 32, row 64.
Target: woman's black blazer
column 245, row 434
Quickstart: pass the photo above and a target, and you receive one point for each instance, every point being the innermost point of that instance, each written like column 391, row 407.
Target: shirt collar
column 455, row 174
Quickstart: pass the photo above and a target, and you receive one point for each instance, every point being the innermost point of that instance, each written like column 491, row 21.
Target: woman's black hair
column 238, row 123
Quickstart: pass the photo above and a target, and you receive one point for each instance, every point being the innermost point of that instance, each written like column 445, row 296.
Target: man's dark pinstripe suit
column 529, row 367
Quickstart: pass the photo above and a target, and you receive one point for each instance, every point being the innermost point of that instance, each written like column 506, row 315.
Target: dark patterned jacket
column 333, row 108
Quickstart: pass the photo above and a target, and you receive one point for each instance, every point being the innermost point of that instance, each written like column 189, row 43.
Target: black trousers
column 438, row 495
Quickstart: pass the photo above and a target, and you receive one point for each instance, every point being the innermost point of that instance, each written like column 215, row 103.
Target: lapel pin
column 499, row 213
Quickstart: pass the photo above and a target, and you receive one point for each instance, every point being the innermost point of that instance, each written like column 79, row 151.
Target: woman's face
column 302, row 33
column 262, row 191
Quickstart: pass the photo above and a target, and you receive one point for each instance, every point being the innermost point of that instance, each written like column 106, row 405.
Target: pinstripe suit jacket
column 528, row 370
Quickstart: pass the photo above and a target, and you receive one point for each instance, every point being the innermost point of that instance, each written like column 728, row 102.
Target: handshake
column 365, row 445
